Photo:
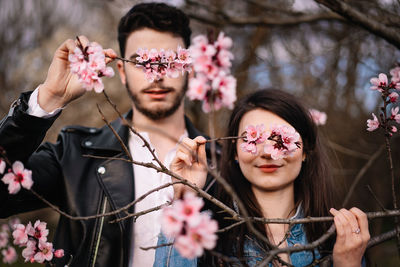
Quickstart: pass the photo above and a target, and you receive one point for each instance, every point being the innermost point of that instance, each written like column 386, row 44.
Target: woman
column 273, row 186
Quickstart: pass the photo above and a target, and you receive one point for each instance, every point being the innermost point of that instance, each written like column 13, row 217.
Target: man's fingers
column 83, row 39
column 110, row 55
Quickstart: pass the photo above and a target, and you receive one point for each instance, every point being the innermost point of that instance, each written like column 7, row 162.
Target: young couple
column 298, row 186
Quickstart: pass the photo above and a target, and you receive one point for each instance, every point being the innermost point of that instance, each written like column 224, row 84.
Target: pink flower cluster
column 8, row 252
column 17, row 177
column 285, row 140
column 34, row 239
column 254, row 135
column 212, row 81
column 318, row 117
column 390, row 95
column 157, row 64
column 192, row 230
column 89, row 64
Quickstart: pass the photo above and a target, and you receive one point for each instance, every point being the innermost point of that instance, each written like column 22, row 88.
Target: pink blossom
column 226, row 86
column 395, row 116
column 173, row 70
column 200, row 46
column 20, row 235
column 171, row 220
column 190, row 209
column 3, row 239
column 372, row 124
column 393, row 97
column 318, row 117
column 17, row 178
column 77, row 61
column 395, row 72
column 170, row 55
column 14, row 221
column 45, row 252
column 90, row 66
column 285, row 141
column 206, row 106
column 38, row 231
column 198, row 88
column 197, row 238
column 393, row 129
column 2, row 166
column 223, row 42
column 224, row 58
column 183, row 56
column 143, row 55
column 29, row 252
column 379, row 83
column 9, row 255
column 254, row 135
column 59, row 253
column 211, row 63
column 5, row 228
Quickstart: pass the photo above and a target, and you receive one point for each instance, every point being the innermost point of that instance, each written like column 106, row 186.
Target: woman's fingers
column 351, row 220
column 362, row 222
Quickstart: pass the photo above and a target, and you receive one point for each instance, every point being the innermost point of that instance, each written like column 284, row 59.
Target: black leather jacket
column 77, row 184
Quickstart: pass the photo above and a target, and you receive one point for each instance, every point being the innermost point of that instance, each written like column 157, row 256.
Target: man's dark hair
column 156, row 16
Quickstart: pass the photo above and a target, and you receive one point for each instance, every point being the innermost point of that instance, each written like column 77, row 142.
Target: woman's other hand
column 352, row 236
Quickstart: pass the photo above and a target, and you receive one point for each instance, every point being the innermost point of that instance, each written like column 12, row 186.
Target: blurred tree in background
column 323, row 51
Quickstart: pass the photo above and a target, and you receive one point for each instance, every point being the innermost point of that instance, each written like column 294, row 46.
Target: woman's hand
column 352, row 236
column 61, row 86
column 190, row 163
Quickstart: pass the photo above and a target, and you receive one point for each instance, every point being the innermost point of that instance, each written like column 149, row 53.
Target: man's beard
column 158, row 113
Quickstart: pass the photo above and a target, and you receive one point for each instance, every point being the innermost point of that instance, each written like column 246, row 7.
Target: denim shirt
column 254, row 253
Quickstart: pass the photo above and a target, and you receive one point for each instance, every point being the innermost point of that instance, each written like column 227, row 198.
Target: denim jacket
column 254, row 253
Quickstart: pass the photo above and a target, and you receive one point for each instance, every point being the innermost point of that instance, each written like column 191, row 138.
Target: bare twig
column 158, row 246
column 360, row 174
column 366, row 21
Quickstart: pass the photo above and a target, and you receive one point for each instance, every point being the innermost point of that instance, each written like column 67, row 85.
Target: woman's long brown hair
column 312, row 188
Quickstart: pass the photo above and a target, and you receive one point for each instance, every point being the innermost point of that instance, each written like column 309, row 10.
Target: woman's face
column 263, row 172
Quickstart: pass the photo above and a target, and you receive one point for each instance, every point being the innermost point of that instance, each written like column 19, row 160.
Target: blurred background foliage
column 301, row 46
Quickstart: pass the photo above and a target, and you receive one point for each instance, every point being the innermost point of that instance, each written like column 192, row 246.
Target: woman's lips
column 269, row 168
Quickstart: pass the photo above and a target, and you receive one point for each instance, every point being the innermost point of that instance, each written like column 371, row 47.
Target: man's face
column 158, row 99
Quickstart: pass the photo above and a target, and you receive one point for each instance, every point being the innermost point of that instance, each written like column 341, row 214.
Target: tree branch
column 372, row 25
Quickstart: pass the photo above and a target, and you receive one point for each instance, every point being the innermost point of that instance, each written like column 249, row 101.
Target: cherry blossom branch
column 376, row 198
column 158, row 246
column 224, row 138
column 125, row 122
column 138, row 63
column 126, row 150
column 140, row 213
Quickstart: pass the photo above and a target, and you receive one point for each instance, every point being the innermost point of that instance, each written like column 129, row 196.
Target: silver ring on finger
column 356, row 231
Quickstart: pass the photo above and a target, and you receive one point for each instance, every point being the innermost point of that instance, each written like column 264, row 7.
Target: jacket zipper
column 97, row 242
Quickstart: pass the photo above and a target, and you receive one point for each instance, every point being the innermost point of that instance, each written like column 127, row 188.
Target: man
column 82, row 185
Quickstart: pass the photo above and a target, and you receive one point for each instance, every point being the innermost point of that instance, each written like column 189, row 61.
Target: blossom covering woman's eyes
column 285, row 140
column 253, row 136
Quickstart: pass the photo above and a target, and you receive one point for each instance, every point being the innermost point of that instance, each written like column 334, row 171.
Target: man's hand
column 61, row 86
column 190, row 163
